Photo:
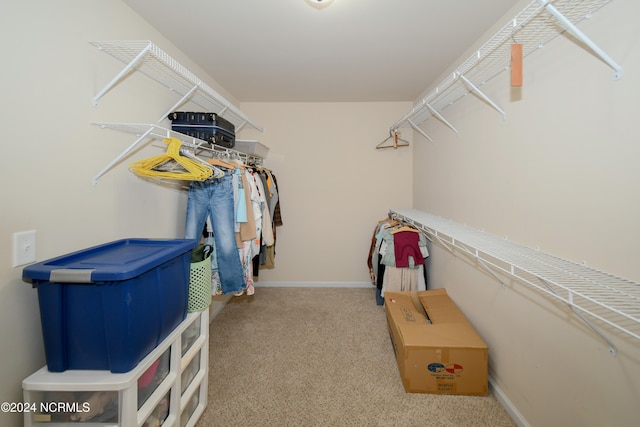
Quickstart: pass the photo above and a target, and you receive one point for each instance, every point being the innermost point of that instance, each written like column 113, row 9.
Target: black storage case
column 208, row 127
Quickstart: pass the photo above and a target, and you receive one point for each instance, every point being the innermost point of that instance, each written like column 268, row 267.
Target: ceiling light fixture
column 319, row 4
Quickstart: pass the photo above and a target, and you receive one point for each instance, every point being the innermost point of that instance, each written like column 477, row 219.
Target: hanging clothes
column 268, row 261
column 403, row 280
column 238, row 203
column 215, row 198
column 263, row 189
column 277, row 214
column 406, row 249
column 238, row 208
column 374, row 260
column 396, row 259
column 247, row 230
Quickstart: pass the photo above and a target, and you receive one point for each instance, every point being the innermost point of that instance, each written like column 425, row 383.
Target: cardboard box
column 436, row 348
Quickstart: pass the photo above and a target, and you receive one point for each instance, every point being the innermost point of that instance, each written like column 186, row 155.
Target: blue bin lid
column 115, row 261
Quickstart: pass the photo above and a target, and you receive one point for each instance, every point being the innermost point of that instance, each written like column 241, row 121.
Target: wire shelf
column 595, row 294
column 147, row 58
column 144, row 130
column 534, row 27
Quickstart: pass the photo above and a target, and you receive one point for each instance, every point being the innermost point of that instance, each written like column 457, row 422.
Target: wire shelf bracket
column 420, row 131
column 582, row 37
column 147, row 58
column 477, row 90
column 534, row 26
column 440, row 117
column 591, row 295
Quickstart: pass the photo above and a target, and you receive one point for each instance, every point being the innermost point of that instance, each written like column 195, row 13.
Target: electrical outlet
column 24, row 248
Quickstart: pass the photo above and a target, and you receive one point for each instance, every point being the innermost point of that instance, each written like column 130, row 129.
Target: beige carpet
column 319, row 357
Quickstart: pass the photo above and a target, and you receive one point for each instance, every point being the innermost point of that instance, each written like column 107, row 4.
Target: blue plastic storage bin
column 108, row 306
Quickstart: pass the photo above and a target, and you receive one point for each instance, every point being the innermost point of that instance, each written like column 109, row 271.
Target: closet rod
column 145, row 131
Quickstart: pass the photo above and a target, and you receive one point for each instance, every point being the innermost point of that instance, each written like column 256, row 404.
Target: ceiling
column 352, row 50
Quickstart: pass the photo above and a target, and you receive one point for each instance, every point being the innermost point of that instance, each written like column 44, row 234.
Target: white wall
column 334, row 184
column 559, row 173
column 50, row 153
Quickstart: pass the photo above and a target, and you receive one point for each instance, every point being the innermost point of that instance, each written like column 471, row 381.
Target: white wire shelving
column 145, row 57
column 151, row 131
column 591, row 294
column 534, row 27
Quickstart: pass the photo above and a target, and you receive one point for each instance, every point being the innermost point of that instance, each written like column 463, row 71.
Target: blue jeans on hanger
column 214, row 197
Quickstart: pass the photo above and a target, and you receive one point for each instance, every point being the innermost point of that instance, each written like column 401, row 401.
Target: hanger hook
column 515, row 28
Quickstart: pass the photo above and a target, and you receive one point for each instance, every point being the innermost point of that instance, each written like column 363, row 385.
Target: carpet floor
column 320, row 357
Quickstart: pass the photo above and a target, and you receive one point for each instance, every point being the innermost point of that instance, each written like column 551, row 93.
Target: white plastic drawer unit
column 168, row 387
column 192, row 407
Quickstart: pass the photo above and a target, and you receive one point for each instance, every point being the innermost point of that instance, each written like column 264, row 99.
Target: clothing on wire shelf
column 397, row 258
column 235, row 207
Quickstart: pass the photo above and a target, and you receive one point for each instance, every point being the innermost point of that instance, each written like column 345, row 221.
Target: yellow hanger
column 189, row 169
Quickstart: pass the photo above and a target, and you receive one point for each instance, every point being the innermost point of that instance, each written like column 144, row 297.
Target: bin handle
column 71, row 275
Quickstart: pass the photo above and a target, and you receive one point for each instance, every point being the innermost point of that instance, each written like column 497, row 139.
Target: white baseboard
column 506, row 403
column 313, row 284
